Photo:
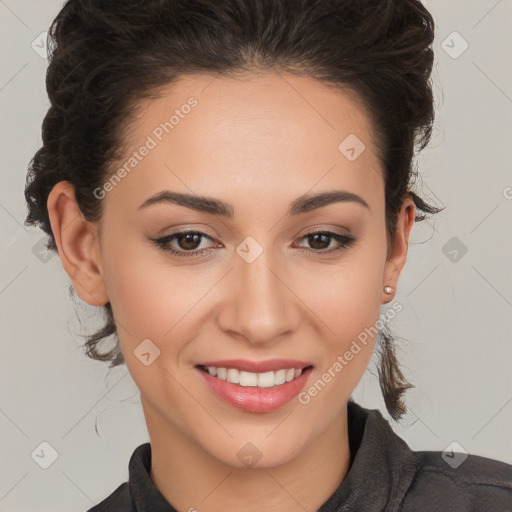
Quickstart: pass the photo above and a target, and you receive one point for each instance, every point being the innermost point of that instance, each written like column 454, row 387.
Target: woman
column 232, row 181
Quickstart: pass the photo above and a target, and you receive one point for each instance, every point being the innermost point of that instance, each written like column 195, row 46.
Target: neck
column 191, row 479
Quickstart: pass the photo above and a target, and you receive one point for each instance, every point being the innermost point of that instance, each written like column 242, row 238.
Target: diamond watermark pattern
column 249, row 249
column 44, row 455
column 41, row 252
column 249, row 454
column 146, row 352
column 454, row 249
column 454, row 45
column 351, row 147
column 454, row 455
column 39, row 45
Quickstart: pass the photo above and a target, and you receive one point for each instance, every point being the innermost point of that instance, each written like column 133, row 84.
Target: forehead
column 266, row 131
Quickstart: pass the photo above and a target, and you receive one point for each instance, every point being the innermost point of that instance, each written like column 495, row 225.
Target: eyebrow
column 302, row 204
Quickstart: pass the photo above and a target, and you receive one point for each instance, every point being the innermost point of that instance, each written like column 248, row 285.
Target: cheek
column 347, row 295
column 152, row 298
column 135, row 289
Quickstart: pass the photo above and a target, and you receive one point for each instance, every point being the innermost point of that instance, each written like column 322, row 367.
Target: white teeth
column 247, row 379
column 290, row 374
column 261, row 380
column 280, row 377
column 233, row 375
column 266, row 380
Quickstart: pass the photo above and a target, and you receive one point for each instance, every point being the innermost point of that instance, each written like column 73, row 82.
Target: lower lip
column 253, row 399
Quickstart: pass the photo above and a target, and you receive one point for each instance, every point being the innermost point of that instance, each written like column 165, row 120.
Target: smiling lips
column 255, row 386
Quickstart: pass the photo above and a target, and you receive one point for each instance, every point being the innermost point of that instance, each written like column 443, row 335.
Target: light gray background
column 455, row 327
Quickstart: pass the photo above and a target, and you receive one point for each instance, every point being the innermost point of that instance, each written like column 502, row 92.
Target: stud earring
column 388, row 289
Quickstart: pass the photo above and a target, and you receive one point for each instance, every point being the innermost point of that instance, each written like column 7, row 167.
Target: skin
column 258, row 143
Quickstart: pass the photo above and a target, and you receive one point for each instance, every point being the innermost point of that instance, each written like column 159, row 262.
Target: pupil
column 315, row 244
column 188, row 240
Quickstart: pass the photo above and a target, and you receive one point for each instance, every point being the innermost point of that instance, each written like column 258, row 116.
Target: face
column 252, row 281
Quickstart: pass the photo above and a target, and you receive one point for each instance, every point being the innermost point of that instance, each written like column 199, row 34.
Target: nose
column 259, row 304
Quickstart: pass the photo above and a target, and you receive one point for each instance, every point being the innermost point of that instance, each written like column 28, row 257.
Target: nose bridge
column 262, row 307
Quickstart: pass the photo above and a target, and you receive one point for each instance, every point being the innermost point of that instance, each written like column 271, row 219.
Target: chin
column 252, row 454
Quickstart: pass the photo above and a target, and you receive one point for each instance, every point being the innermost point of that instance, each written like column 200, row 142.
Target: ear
column 78, row 244
column 397, row 253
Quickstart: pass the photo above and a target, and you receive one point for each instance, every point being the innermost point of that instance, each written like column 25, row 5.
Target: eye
column 320, row 240
column 188, row 243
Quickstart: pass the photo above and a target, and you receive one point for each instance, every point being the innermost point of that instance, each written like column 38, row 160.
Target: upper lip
column 271, row 365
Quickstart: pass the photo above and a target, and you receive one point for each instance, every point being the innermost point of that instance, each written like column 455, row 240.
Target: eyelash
column 345, row 241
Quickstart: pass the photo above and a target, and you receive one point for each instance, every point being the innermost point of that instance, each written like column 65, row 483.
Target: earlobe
column 398, row 251
column 77, row 243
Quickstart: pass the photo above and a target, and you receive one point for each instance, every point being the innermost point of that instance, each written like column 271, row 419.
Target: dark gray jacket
column 384, row 475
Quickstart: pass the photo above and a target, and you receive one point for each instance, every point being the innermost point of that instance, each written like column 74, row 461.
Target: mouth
column 255, row 392
column 242, row 378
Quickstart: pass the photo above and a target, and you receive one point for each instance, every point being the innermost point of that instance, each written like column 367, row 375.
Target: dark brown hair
column 107, row 55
